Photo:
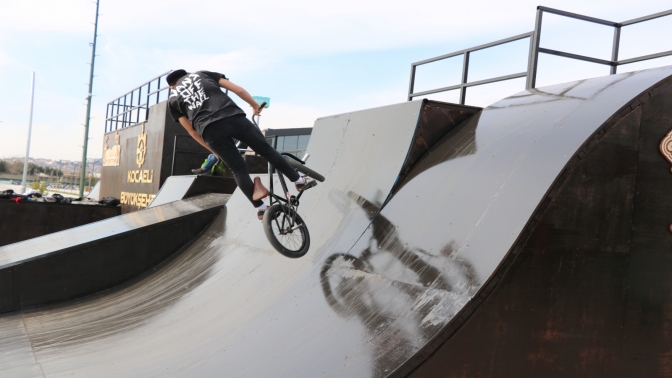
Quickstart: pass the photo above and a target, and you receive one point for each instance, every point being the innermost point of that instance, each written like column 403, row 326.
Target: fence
column 533, row 55
column 133, row 107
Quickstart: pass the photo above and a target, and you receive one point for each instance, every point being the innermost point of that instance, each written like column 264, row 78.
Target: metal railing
column 533, row 55
column 133, row 107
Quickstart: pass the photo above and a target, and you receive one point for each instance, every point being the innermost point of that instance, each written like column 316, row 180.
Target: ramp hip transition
column 535, row 205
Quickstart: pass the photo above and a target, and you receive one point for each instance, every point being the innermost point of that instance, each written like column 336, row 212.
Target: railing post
column 411, row 83
column 465, row 74
column 116, row 125
column 533, row 58
column 123, row 120
column 149, row 90
column 614, row 48
column 107, row 112
column 137, row 110
column 158, row 93
column 130, row 114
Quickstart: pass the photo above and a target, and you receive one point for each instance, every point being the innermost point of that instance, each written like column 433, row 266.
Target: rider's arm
column 190, row 129
column 241, row 92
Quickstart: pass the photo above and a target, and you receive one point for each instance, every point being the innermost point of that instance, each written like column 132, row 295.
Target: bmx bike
column 284, row 227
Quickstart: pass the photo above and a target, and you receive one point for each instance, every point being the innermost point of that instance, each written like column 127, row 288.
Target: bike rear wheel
column 291, row 241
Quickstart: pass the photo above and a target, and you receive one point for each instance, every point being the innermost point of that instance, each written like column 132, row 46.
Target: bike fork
column 290, row 205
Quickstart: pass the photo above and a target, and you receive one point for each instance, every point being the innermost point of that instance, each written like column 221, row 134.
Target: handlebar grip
column 261, row 106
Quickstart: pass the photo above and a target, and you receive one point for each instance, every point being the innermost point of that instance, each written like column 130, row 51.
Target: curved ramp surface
column 87, row 259
column 585, row 288
column 381, row 286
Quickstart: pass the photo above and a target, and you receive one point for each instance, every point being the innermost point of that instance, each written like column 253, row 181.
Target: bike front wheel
column 286, row 231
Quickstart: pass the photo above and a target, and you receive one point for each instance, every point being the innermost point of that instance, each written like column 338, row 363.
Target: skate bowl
column 530, row 238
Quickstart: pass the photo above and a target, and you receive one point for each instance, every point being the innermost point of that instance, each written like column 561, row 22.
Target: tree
column 3, row 166
column 15, row 167
column 40, row 186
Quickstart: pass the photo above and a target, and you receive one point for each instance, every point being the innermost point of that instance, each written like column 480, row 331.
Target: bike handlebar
column 261, row 106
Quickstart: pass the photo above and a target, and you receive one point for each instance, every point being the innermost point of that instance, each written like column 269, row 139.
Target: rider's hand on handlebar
column 257, row 109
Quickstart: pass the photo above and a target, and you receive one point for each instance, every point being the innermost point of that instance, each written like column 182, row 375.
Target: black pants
column 218, row 135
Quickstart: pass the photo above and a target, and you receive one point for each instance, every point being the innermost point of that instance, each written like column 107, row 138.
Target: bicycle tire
column 269, row 221
column 305, row 170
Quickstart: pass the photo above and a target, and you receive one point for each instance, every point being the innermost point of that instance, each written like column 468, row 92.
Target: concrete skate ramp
column 86, row 259
column 218, row 270
column 380, row 291
column 180, row 187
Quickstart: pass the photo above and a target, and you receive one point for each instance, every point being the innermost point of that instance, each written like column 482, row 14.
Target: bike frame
column 291, row 202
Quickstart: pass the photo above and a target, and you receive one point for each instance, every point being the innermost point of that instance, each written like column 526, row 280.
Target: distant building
column 293, row 141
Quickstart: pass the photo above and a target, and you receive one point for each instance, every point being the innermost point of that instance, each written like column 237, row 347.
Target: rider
column 206, row 168
column 213, row 119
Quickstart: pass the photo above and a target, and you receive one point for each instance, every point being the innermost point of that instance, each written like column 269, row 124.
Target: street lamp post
column 82, row 180
column 74, row 178
column 93, row 168
column 30, row 126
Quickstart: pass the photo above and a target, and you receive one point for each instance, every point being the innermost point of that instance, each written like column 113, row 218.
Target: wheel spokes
column 282, row 227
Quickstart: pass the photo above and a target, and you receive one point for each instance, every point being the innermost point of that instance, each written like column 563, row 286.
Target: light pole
column 82, row 179
column 93, row 169
column 73, row 175
column 30, row 126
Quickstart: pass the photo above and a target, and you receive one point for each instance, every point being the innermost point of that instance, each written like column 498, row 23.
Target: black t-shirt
column 198, row 97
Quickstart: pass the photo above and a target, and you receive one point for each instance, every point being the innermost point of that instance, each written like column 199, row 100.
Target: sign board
column 138, row 159
column 260, row 99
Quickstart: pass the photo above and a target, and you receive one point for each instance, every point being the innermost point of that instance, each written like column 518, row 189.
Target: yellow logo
column 666, row 147
column 112, row 154
column 141, row 151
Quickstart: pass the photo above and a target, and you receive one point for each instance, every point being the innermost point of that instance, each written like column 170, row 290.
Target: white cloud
column 46, row 15
column 301, row 26
column 309, row 26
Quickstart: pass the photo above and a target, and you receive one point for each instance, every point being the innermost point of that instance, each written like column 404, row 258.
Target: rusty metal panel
column 647, row 315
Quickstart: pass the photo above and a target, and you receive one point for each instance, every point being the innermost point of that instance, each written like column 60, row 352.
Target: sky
column 312, row 58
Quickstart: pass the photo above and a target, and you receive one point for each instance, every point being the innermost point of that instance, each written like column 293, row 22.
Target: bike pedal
column 309, row 185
